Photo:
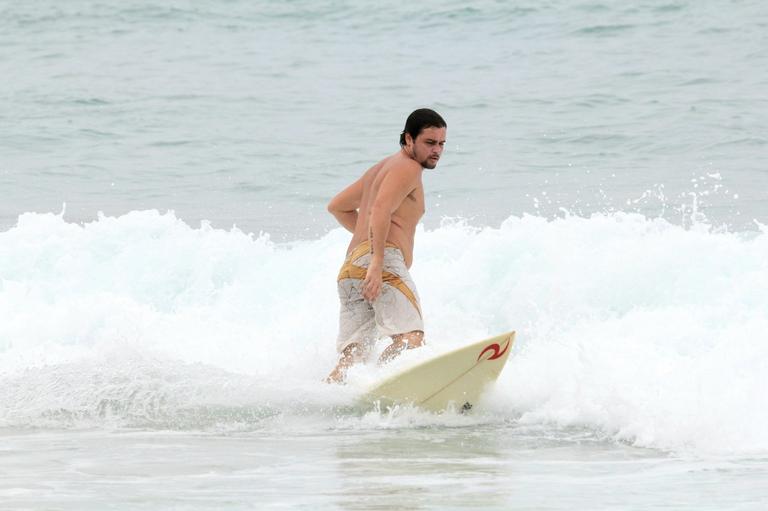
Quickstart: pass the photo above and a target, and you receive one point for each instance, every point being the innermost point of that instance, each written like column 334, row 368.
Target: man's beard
column 427, row 164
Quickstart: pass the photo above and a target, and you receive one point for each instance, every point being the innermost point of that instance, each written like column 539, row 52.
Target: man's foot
column 337, row 376
column 350, row 356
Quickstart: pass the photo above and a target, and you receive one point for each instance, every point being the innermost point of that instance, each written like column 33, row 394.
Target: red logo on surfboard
column 496, row 349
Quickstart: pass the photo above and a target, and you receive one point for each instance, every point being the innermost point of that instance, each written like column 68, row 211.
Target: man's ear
column 408, row 140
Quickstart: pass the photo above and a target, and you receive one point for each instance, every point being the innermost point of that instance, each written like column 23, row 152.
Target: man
column 381, row 210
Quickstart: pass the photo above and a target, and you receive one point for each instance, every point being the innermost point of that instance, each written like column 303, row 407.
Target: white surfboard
column 452, row 380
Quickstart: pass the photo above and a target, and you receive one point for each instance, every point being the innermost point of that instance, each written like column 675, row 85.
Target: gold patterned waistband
column 352, row 271
column 365, row 248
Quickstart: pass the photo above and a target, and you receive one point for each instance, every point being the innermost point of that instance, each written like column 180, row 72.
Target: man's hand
column 372, row 283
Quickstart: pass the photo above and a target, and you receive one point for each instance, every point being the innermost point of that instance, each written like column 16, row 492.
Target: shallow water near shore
column 482, row 466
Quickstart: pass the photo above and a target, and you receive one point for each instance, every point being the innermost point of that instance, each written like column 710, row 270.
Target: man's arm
column 344, row 205
column 393, row 190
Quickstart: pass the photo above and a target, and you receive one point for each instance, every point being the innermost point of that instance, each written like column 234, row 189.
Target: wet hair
column 420, row 119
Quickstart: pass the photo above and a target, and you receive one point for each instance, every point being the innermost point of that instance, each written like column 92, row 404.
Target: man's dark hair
column 420, row 119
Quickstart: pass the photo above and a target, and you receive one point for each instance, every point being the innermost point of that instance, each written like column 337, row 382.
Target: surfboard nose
column 496, row 350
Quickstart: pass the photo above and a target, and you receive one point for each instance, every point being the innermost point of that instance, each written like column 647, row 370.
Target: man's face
column 428, row 146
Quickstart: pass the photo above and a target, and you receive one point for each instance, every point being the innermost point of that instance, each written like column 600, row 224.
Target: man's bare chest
column 412, row 207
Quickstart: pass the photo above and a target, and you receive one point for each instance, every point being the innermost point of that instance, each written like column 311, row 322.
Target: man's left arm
column 344, row 205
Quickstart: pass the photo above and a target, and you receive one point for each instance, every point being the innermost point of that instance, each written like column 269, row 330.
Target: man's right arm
column 392, row 191
column 344, row 205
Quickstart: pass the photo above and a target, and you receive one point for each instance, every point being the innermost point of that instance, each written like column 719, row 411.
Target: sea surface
column 167, row 267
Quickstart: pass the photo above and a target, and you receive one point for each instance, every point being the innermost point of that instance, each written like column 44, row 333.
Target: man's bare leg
column 351, row 355
column 401, row 342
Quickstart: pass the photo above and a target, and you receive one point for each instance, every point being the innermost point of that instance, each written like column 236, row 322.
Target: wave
column 638, row 329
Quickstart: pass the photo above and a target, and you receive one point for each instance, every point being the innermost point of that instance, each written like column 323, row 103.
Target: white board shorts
column 397, row 309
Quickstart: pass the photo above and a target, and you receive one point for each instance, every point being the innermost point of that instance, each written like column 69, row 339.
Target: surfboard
column 452, row 380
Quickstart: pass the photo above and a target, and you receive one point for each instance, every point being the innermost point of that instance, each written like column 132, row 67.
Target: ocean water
column 167, row 268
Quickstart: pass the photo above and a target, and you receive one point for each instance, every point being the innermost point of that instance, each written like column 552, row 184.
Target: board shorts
column 395, row 311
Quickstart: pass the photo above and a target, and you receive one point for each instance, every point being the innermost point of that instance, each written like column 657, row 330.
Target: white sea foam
column 635, row 328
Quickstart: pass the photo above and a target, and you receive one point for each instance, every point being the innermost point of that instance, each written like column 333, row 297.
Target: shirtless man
column 381, row 210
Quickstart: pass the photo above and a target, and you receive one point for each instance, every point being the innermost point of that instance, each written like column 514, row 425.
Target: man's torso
column 405, row 217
